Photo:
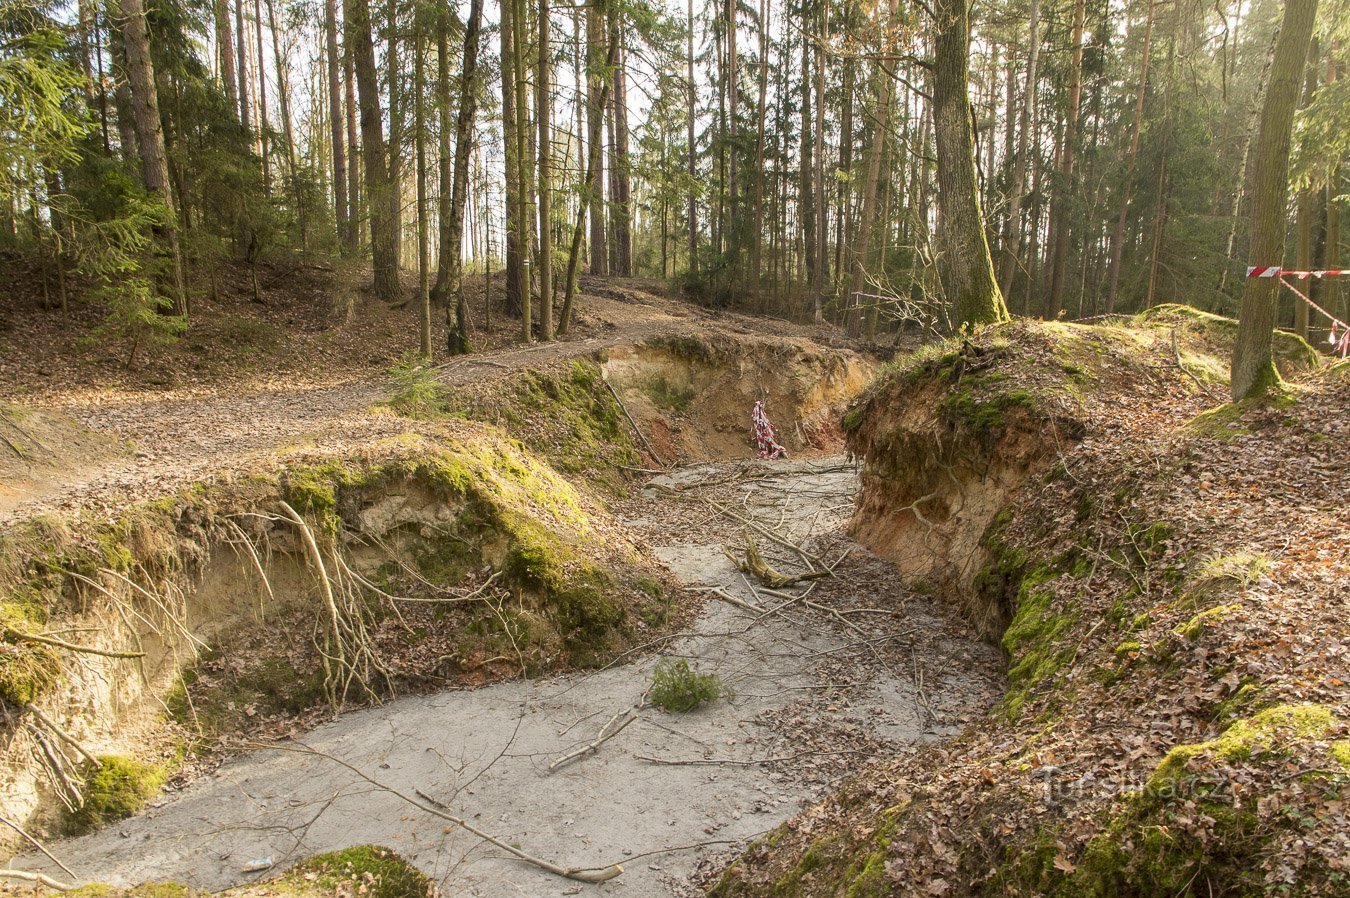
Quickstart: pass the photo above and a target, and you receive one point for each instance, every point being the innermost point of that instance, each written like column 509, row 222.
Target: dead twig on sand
column 436, row 809
column 607, row 732
column 38, row 845
column 754, row 563
column 40, row 878
column 752, row 762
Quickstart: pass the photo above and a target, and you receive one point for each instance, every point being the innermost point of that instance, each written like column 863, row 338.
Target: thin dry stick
column 628, row 714
column 68, row 646
column 637, row 430
column 60, row 734
column 813, row 561
column 40, row 878
column 580, row 874
column 725, row 596
column 752, row 762
column 36, row 844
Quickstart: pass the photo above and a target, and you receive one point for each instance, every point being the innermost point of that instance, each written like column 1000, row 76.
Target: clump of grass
column 678, row 687
column 417, row 393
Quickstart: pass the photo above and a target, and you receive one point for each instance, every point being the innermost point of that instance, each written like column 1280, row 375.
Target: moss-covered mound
column 1176, row 722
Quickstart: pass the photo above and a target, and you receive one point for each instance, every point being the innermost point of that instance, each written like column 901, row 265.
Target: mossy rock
column 115, row 789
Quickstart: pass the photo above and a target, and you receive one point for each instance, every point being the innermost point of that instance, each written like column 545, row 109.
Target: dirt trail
column 177, row 437
column 812, row 702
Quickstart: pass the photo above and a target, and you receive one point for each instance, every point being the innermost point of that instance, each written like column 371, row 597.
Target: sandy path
column 178, row 437
column 486, row 753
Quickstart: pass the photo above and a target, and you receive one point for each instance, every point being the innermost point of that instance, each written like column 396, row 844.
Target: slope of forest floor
column 1166, row 574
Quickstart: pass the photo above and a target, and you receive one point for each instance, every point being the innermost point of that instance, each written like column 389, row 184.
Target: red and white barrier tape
column 1340, row 342
column 1274, row 271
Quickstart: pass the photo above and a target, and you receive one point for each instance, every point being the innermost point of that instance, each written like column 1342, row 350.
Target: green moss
column 1196, row 626
column 1291, row 352
column 26, row 671
column 1127, row 649
column 984, row 416
column 1032, row 640
column 372, row 871
column 1265, row 731
column 115, row 789
column 666, row 395
column 853, row 418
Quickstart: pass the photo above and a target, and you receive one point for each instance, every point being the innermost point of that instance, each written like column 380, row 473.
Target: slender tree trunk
column 225, row 44
column 757, row 239
column 516, row 284
column 544, row 103
column 862, row 240
column 1331, row 243
column 1307, row 202
column 354, row 204
column 597, row 84
column 150, row 138
column 966, row 268
column 457, row 330
column 693, row 171
column 806, row 194
column 444, row 159
column 423, row 234
column 1118, row 233
column 283, row 97
column 261, row 71
column 1253, row 371
column 245, row 115
column 1016, row 193
column 1065, row 199
column 394, row 194
column 621, row 177
column 335, row 122
column 383, row 230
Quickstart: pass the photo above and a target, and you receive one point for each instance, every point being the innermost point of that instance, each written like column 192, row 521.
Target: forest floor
column 308, row 363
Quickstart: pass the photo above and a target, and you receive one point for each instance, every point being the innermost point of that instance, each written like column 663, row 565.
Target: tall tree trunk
column 261, row 71
column 284, row 97
column 587, row 197
column 806, row 193
column 966, row 268
column 844, row 200
column 241, row 38
column 225, row 45
column 733, row 95
column 862, row 240
column 393, row 74
column 445, row 151
column 150, row 138
column 457, row 312
column 354, row 204
column 423, row 235
column 822, row 211
column 1331, row 243
column 1065, row 199
column 335, row 122
column 693, row 171
column 757, row 239
column 543, row 96
column 621, row 177
column 517, row 286
column 1253, row 371
column 126, row 116
column 1307, row 202
column 383, row 230
column 1013, row 235
column 1127, row 185
column 596, row 88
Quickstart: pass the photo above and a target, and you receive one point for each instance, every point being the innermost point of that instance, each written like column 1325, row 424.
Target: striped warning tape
column 1274, row 271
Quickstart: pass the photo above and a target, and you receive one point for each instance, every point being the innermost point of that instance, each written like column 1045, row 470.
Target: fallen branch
column 754, row 564
column 629, row 715
column 434, row 808
column 40, row 878
column 36, row 844
column 727, row 597
column 10, row 633
column 632, row 423
column 752, row 762
column 812, row 560
column 61, row 734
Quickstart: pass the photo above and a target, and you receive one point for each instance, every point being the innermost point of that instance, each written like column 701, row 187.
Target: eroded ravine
column 816, row 692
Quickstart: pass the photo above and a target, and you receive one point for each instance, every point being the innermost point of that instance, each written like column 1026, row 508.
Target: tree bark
column 621, row 178
column 966, row 269
column 420, row 136
column 225, row 43
column 261, row 71
column 245, row 116
column 150, row 138
column 543, row 105
column 1253, row 371
column 516, row 284
column 354, row 204
column 1118, row 232
column 383, row 230
column 1065, row 199
column 1013, row 235
column 693, row 171
column 1307, row 204
column 457, row 313
column 596, row 88
column 335, row 123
